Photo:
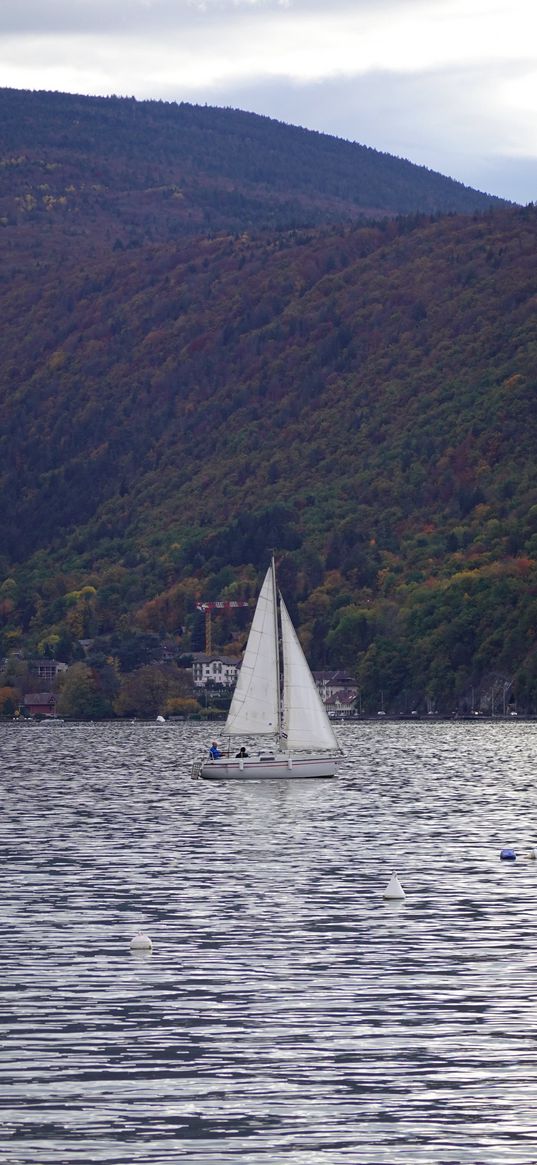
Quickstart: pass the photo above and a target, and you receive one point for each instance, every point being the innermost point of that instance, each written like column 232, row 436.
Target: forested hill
column 361, row 398
column 97, row 172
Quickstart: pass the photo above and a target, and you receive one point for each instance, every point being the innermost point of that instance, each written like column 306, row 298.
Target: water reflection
column 287, row 1012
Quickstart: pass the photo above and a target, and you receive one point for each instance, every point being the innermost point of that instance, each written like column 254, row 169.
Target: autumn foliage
column 175, row 403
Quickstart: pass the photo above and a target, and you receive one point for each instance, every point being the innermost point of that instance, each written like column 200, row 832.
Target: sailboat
column 275, row 697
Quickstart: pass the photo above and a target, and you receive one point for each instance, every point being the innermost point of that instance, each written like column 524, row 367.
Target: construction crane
column 208, row 608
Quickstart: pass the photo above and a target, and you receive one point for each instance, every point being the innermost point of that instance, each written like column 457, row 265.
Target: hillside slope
column 361, row 398
column 81, row 174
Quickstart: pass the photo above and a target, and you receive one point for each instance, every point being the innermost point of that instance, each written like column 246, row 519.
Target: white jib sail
column 254, row 707
column 304, row 715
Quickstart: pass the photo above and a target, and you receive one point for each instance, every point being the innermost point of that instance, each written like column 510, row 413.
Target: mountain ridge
column 117, row 170
column 359, row 396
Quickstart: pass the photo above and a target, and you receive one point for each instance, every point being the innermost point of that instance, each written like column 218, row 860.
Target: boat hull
column 263, row 768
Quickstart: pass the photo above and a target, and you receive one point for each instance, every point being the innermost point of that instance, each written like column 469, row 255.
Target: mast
column 277, row 647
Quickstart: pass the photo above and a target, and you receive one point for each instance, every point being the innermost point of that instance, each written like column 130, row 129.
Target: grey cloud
column 138, row 17
column 513, row 178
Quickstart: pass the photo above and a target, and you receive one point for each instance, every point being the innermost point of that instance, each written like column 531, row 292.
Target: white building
column 47, row 669
column 214, row 669
column 332, row 683
column 341, row 704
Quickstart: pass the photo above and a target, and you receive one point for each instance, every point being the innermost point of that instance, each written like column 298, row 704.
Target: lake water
column 287, row 1014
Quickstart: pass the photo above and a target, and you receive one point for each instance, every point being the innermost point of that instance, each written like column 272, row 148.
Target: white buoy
column 141, row 942
column 160, row 720
column 530, row 853
column 394, row 890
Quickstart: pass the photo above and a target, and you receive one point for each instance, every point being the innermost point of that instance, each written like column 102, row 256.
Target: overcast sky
column 449, row 84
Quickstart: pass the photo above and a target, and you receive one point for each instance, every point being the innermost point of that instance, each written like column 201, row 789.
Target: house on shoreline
column 337, row 689
column 39, row 704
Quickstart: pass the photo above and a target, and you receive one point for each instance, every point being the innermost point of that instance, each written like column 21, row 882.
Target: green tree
column 142, row 692
column 80, row 696
column 8, row 701
column 352, row 633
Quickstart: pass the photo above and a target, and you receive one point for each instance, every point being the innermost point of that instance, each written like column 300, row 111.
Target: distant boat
column 292, row 714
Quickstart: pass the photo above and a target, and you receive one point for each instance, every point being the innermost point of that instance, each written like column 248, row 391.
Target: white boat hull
column 278, row 767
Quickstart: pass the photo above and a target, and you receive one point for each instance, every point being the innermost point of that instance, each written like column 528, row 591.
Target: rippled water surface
column 288, row 1014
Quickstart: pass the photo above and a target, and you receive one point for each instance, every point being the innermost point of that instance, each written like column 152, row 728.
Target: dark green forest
column 182, row 394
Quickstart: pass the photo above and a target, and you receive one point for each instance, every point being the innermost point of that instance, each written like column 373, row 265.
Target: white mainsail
column 304, row 716
column 254, row 707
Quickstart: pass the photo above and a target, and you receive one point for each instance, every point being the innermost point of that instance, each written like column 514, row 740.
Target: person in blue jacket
column 214, row 751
